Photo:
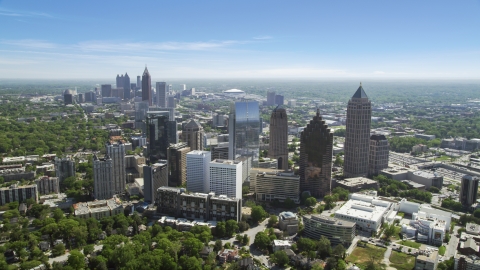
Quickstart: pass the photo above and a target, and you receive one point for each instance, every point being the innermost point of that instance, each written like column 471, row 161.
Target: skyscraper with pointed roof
column 357, row 134
column 146, row 87
column 126, row 86
column 278, row 145
column 316, row 150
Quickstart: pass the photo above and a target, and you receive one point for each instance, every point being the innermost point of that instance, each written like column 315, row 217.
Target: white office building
column 428, row 224
column 366, row 211
column 226, row 177
column 198, row 174
column 117, row 153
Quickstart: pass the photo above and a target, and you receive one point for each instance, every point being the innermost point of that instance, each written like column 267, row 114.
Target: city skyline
column 370, row 39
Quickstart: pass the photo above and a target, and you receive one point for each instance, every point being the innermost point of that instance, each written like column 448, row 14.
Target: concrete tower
column 193, row 134
column 468, row 190
column 379, row 153
column 278, row 146
column 357, row 134
column 316, row 150
column 271, row 98
column 117, row 153
column 103, row 178
column 198, row 171
column 162, row 89
column 146, row 87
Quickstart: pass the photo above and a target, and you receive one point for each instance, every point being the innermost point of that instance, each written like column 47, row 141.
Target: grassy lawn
column 441, row 250
column 361, row 255
column 410, row 244
column 401, row 214
column 402, row 261
column 442, row 158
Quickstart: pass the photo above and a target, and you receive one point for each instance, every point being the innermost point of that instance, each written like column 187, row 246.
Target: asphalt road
column 452, row 246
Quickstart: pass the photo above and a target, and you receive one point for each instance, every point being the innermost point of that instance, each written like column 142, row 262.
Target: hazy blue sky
column 240, row 39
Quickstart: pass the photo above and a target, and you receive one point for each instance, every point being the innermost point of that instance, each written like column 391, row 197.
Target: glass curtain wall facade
column 247, row 130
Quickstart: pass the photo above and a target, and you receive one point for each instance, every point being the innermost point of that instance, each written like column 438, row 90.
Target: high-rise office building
column 103, row 181
column 278, row 145
column 226, row 178
column 90, row 96
column 67, row 99
column 193, row 134
column 146, row 87
column 161, row 132
column 271, row 98
column 316, row 150
column 279, row 99
column 171, row 101
column 198, row 172
column 154, row 177
column 119, row 81
column 139, row 82
column 64, row 167
column 117, row 153
column 378, row 155
column 244, row 131
column 106, row 90
column 126, row 86
column 468, row 190
column 162, row 90
column 357, row 135
column 177, row 164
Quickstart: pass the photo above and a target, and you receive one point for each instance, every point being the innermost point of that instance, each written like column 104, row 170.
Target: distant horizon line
column 258, row 79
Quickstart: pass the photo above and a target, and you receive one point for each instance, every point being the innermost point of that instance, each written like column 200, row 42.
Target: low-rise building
column 48, row 185
column 17, row 193
column 280, row 245
column 367, row 212
column 227, row 255
column 427, row 259
column 288, row 221
column 423, row 177
column 428, row 224
column 357, row 184
column 336, row 230
column 98, row 209
column 271, row 184
column 178, row 203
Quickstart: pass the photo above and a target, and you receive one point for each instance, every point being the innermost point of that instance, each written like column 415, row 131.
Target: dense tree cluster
column 390, row 187
column 56, row 134
column 452, row 205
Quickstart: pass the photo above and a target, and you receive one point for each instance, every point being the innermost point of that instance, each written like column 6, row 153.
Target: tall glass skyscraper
column 244, row 129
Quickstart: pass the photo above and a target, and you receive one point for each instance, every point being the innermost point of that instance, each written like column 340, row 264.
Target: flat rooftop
column 331, row 220
column 355, row 181
column 365, row 207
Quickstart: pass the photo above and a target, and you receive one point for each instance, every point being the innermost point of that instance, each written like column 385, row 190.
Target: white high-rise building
column 103, row 178
column 162, row 91
column 226, row 177
column 198, row 174
column 117, row 153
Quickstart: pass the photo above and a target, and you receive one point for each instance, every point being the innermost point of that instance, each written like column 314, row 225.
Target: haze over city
column 246, row 39
column 239, row 135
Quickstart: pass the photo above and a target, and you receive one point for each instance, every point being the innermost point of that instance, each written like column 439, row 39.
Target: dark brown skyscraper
column 146, row 87
column 357, row 134
column 316, row 150
column 278, row 146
